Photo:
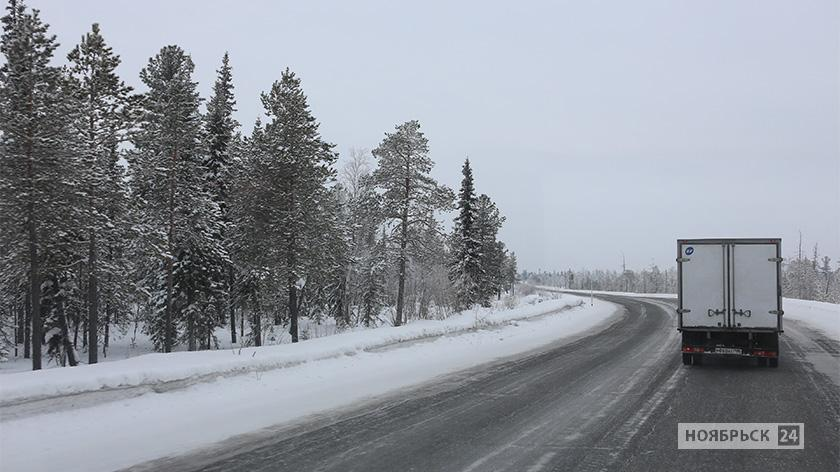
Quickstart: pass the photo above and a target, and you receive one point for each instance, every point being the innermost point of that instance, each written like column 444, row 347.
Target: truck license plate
column 728, row 350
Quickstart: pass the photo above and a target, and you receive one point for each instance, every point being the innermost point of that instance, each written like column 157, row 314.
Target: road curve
column 609, row 401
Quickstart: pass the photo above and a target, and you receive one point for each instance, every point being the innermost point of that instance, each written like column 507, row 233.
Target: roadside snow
column 156, row 425
column 821, row 316
column 156, row 368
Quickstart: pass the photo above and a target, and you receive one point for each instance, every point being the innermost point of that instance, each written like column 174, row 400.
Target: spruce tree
column 488, row 222
column 221, row 129
column 409, row 193
column 465, row 268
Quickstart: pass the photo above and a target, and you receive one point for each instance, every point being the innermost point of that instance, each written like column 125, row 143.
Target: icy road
column 609, row 401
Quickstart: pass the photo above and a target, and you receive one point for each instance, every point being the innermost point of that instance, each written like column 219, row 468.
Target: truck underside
column 762, row 345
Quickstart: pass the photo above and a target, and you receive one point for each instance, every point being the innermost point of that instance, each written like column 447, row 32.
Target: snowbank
column 821, row 316
column 151, row 369
column 150, row 426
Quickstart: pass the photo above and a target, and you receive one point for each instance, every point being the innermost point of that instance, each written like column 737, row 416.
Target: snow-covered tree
column 289, row 172
column 181, row 223
column 491, row 252
column 409, row 194
column 466, row 270
column 221, row 135
column 39, row 170
column 102, row 122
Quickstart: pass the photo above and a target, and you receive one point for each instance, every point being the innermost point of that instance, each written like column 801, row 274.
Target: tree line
column 118, row 207
column 804, row 278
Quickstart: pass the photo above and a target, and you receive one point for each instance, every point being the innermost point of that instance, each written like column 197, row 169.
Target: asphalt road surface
column 609, row 401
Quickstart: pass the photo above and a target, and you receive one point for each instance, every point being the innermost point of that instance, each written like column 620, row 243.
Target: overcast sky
column 597, row 127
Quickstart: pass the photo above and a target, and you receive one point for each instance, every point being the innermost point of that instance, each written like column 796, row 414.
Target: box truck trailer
column 730, row 298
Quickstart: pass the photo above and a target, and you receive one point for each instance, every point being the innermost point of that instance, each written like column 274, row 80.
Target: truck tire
column 773, row 361
column 697, row 359
column 686, row 359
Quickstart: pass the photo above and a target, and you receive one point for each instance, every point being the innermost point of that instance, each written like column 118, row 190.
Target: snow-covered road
column 609, row 401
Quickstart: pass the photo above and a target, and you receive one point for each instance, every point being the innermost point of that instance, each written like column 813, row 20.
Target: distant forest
column 807, row 277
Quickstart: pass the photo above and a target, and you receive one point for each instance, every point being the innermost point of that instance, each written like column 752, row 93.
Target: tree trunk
column 107, row 336
column 256, row 324
column 231, row 306
column 93, row 302
column 65, row 334
column 293, row 309
column 34, row 269
column 76, row 324
column 190, row 321
column 401, row 276
column 35, row 295
column 27, row 330
column 170, row 276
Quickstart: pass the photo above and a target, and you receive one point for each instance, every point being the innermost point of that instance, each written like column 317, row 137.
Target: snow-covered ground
column 821, row 316
column 155, row 368
column 134, row 342
column 319, row 374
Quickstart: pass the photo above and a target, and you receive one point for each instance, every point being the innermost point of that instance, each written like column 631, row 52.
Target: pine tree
column 221, row 129
column 181, row 224
column 409, row 193
column 465, row 270
column 39, row 168
column 102, row 124
column 295, row 164
column 251, row 246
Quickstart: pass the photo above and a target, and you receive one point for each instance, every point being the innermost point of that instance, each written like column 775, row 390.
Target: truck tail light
column 692, row 349
column 765, row 354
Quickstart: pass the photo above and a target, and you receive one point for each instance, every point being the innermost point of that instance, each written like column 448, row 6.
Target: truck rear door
column 754, row 286
column 703, row 285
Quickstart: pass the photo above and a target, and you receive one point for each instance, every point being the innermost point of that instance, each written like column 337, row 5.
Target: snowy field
column 274, row 385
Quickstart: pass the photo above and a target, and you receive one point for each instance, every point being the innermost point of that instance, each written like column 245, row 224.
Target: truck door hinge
column 777, row 312
column 746, row 313
column 712, row 312
column 683, row 259
column 776, row 259
column 683, row 310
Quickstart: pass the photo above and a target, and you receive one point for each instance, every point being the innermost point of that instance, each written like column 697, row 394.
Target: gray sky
column 598, row 127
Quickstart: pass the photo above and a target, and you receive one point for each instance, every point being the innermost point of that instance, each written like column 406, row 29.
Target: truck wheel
column 686, row 359
column 762, row 362
column 697, row 359
column 774, row 361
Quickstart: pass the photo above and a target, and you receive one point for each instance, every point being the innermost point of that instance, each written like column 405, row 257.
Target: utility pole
column 624, row 270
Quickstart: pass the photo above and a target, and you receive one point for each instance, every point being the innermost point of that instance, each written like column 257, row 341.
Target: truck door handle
column 746, row 313
column 712, row 312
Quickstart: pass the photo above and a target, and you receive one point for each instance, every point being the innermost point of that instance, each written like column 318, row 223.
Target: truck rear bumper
column 731, row 343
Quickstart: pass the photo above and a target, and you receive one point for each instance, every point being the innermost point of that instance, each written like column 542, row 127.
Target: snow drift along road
column 150, row 426
column 191, row 367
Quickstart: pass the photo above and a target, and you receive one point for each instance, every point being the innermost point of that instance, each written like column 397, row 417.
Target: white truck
column 730, row 298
